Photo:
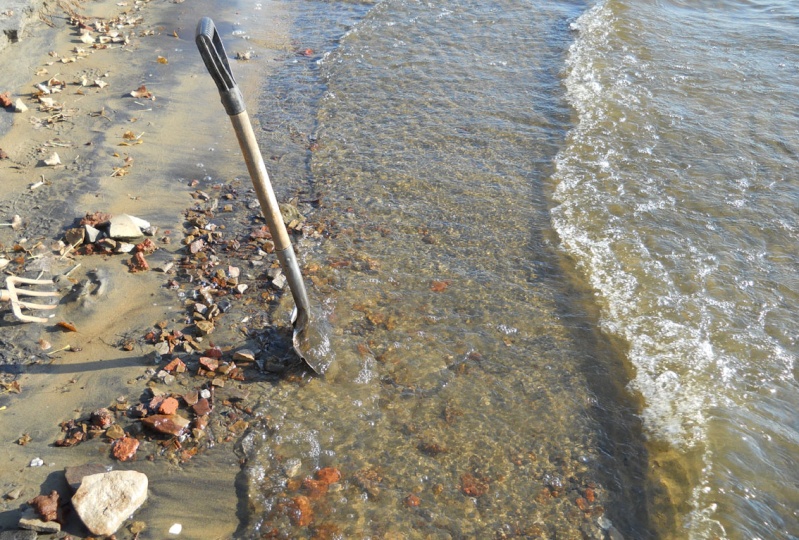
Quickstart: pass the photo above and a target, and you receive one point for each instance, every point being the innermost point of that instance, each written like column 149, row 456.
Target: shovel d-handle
column 213, row 54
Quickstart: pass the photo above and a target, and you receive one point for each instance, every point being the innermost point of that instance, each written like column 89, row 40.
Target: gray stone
column 74, row 475
column 30, row 520
column 105, row 501
column 18, row 535
column 124, row 227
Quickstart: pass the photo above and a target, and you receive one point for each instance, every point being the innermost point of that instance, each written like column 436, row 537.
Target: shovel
column 311, row 342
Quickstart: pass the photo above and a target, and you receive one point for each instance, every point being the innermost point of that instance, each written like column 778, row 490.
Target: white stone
column 141, row 223
column 19, row 106
column 91, row 234
column 105, row 501
column 123, row 227
column 176, row 528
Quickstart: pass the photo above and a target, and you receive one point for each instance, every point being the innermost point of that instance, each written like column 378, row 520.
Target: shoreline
column 107, row 358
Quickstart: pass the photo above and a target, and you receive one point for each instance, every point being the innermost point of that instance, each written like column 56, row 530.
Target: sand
column 184, row 136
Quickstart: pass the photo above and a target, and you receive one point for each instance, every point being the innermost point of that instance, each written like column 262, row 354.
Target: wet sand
column 183, row 127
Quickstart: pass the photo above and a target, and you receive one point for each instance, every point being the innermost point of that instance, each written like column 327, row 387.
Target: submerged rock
column 105, row 501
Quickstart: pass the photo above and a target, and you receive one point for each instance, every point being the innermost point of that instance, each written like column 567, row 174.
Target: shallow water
column 654, row 138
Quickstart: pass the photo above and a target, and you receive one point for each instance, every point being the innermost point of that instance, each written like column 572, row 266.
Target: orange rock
column 175, row 365
column 582, row 504
column 302, row 513
column 202, row 407
column 589, row 495
column 168, row 406
column 328, row 475
column 314, row 488
column 125, row 448
column 211, row 364
column 472, row 486
column 412, row 501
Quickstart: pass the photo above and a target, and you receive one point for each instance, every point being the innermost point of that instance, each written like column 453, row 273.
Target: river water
column 558, row 262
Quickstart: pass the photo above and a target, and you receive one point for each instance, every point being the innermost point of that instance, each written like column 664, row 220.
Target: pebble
column 36, row 462
column 125, row 448
column 176, row 528
column 244, row 355
column 14, row 494
column 166, row 424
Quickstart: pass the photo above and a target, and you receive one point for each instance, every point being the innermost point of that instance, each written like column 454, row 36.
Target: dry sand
column 184, row 126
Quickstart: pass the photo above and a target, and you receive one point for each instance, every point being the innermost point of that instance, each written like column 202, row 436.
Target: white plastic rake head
column 12, row 293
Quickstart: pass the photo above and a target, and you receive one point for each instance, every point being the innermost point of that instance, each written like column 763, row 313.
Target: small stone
column 175, row 366
column 29, row 520
column 137, row 527
column 302, row 514
column 205, row 393
column 115, row 432
column 166, row 424
column 279, row 282
column 176, row 528
column 191, row 398
column 14, row 494
column 105, row 501
column 202, row 407
column 125, row 247
column 241, row 288
column 244, row 355
column 36, row 462
column 168, row 406
column 162, row 348
column 412, row 501
column 205, row 327
column 125, row 448
column 19, row 106
column 211, row 364
column 75, row 237
column 102, row 418
column 90, row 234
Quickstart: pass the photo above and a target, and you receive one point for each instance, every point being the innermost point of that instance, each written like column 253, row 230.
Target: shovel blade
column 312, row 340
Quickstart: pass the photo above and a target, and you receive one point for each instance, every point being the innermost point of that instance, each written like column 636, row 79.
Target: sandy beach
column 116, row 154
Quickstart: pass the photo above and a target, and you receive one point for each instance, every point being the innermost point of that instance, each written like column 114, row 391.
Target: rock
column 168, row 406
column 104, row 501
column 124, row 227
column 202, row 407
column 115, row 432
column 140, row 223
column 125, row 448
column 46, row 506
column 75, row 237
column 102, row 418
column 19, row 106
column 167, row 424
column 14, row 494
column 36, row 462
column 125, row 247
column 176, row 365
column 205, row 327
column 18, row 535
column 279, row 282
column 208, row 363
column 244, row 355
column 29, row 520
column 90, row 234
column 74, row 475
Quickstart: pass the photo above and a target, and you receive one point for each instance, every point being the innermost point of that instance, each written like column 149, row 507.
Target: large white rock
column 125, row 227
column 105, row 501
